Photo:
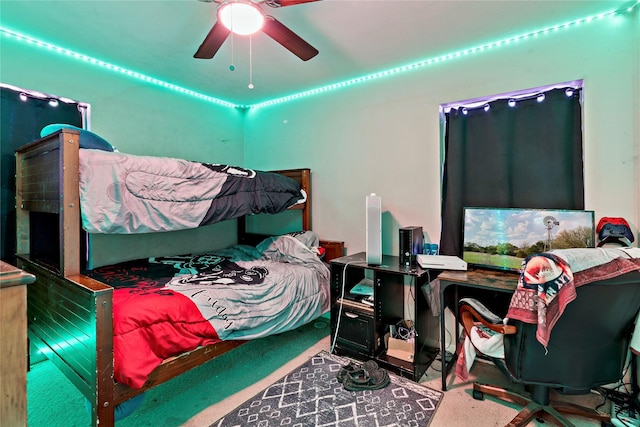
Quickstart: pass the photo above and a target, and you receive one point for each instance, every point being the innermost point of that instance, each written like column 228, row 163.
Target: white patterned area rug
column 312, row 396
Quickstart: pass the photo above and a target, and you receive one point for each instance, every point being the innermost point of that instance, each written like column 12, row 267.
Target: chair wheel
column 478, row 395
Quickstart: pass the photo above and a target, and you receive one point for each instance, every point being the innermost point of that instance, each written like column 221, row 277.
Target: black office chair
column 588, row 348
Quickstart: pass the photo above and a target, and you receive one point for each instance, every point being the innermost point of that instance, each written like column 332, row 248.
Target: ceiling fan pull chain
column 232, row 67
column 250, row 63
column 233, row 61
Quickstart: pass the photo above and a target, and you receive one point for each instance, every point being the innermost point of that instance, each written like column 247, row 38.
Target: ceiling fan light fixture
column 242, row 18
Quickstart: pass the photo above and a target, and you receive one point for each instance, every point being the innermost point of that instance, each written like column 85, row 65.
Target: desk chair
column 588, row 348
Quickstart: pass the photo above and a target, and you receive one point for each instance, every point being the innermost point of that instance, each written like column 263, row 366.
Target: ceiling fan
column 234, row 14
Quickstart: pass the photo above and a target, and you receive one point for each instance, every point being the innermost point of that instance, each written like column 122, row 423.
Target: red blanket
column 143, row 308
column 181, row 329
column 169, row 305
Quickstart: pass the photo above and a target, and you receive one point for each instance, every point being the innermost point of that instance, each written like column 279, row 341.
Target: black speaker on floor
column 411, row 243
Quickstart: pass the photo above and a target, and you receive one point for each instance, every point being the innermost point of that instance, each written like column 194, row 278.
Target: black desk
column 472, row 280
column 358, row 330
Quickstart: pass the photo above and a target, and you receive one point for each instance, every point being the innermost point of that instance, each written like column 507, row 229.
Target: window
column 24, row 114
column 519, row 150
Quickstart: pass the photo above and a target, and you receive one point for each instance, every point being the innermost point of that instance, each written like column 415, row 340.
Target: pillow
column 88, row 139
column 291, row 247
column 308, row 238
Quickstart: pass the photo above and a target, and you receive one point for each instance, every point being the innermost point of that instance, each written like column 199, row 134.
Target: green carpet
column 53, row 401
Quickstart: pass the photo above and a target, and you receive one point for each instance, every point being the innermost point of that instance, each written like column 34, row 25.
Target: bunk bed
column 70, row 308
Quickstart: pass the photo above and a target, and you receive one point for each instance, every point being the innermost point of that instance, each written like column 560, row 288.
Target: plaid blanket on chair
column 548, row 282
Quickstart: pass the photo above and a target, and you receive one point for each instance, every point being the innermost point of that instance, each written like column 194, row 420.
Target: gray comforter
column 125, row 193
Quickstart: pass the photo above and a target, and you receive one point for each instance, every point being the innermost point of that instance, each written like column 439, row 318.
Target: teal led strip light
column 347, row 83
column 67, row 52
column 442, row 58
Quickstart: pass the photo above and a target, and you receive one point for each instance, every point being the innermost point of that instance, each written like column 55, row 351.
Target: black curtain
column 21, row 122
column 525, row 154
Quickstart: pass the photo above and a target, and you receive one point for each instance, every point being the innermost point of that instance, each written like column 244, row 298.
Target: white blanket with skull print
column 261, row 298
column 166, row 306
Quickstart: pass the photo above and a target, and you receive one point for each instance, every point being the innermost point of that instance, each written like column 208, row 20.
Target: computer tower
column 411, row 243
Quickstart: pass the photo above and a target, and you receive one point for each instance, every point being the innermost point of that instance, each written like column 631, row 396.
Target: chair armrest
column 471, row 311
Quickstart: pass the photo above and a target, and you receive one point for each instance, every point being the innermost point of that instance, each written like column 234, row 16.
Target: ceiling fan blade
column 283, row 3
column 212, row 42
column 287, row 38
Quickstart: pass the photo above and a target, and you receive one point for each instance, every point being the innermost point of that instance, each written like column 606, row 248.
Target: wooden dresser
column 13, row 345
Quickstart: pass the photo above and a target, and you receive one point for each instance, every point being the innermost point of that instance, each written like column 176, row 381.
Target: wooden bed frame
column 70, row 315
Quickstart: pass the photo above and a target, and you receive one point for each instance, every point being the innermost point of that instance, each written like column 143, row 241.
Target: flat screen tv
column 500, row 238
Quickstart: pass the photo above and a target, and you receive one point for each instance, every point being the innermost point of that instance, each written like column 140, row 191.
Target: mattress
column 165, row 306
column 124, row 193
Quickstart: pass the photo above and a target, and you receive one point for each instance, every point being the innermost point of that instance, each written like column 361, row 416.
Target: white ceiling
column 355, row 37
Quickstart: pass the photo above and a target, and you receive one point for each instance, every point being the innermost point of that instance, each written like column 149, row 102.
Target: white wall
column 384, row 136
column 137, row 118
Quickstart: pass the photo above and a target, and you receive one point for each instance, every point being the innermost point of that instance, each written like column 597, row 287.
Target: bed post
column 303, row 176
column 70, row 203
column 70, row 315
column 306, row 211
column 47, row 181
column 23, row 234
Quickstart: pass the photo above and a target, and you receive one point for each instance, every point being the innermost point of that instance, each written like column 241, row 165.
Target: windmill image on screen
column 502, row 238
